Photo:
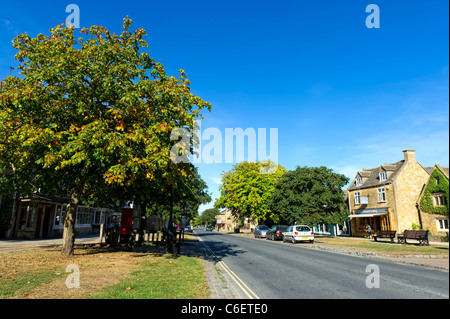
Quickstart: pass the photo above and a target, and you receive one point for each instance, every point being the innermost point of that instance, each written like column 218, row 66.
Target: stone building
column 42, row 216
column 226, row 221
column 433, row 201
column 385, row 197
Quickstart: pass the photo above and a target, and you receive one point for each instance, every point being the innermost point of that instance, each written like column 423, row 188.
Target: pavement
column 12, row 245
column 219, row 286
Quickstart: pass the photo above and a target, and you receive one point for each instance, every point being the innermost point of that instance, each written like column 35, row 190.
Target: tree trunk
column 69, row 229
column 143, row 222
column 69, row 221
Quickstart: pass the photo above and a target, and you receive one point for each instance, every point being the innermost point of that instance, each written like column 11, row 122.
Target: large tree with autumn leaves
column 89, row 112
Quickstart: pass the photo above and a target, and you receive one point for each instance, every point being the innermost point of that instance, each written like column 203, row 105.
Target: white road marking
column 250, row 294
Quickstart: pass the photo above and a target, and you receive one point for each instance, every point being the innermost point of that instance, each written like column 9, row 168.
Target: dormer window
column 358, row 181
column 382, row 176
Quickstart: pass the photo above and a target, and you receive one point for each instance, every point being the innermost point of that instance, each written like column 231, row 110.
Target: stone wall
column 407, row 186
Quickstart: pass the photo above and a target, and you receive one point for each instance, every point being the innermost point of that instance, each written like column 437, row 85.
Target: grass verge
column 164, row 277
column 104, row 273
column 383, row 247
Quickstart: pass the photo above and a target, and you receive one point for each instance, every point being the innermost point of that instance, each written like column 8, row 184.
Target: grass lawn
column 104, row 273
column 383, row 247
column 165, row 277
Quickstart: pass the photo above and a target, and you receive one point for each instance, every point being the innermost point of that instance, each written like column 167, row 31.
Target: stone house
column 41, row 216
column 385, row 197
column 433, row 201
column 227, row 222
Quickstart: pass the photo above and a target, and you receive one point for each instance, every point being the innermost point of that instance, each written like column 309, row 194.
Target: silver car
column 298, row 233
column 260, row 231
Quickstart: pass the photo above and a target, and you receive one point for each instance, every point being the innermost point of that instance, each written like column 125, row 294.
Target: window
column 83, row 216
column 381, row 194
column 382, row 176
column 439, row 199
column 357, row 198
column 32, row 213
column 358, row 181
column 60, row 215
column 442, row 224
column 23, row 216
column 99, row 217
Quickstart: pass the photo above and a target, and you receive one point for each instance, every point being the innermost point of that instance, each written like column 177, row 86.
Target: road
column 281, row 270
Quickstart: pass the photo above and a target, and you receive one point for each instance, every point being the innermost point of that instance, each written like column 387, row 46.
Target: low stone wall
column 438, row 238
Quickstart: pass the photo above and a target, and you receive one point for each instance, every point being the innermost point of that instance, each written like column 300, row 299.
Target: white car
column 298, row 233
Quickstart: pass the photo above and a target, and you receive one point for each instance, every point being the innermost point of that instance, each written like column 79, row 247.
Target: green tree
column 90, row 112
column 310, row 195
column 208, row 216
column 247, row 192
column 189, row 192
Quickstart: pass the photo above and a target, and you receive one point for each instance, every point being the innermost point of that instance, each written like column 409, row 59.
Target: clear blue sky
column 341, row 95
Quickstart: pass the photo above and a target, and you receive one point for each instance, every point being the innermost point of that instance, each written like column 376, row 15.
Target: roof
column 48, row 198
column 371, row 176
column 444, row 170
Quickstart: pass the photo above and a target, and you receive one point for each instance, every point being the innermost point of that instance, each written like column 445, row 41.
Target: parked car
column 260, row 231
column 188, row 229
column 276, row 232
column 209, row 228
column 298, row 233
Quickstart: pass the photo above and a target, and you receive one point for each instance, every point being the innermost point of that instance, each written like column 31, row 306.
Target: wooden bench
column 420, row 235
column 385, row 234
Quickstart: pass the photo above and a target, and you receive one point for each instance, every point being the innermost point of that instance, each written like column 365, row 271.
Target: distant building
column 227, row 222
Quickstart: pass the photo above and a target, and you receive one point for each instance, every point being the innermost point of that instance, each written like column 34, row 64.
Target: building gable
column 374, row 177
column 435, row 196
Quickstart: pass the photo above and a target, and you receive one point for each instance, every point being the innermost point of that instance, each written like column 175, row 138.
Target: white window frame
column 442, row 224
column 62, row 215
column 358, row 181
column 102, row 213
column 439, row 199
column 357, row 197
column 381, row 195
column 382, row 176
column 83, row 214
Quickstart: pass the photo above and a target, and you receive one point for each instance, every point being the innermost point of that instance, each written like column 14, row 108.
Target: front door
column 43, row 221
column 46, row 222
column 40, row 213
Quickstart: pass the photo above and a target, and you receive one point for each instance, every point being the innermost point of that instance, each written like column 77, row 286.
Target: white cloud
column 215, row 180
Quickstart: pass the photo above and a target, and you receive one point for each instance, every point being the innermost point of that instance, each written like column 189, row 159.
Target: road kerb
column 238, row 281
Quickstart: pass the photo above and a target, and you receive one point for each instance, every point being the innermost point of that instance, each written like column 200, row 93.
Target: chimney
column 410, row 155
